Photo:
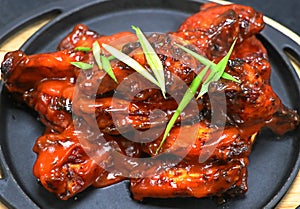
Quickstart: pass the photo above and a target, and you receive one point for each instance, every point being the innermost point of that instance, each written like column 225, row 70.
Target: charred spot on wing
column 128, row 48
column 236, row 62
column 11, row 59
column 6, row 67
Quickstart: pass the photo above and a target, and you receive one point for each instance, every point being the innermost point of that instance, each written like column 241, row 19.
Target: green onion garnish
column 82, row 65
column 83, row 49
column 97, row 53
column 230, row 77
column 130, row 62
column 217, row 71
column 110, row 58
column 102, row 61
column 107, row 67
column 206, row 61
column 189, row 94
column 152, row 59
column 204, row 87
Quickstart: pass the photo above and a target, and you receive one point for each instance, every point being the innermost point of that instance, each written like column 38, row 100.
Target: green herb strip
column 217, row 71
column 206, row 62
column 83, row 49
column 230, row 77
column 130, row 62
column 152, row 59
column 102, row 62
column 107, row 67
column 110, row 58
column 188, row 96
column 82, row 65
column 97, row 53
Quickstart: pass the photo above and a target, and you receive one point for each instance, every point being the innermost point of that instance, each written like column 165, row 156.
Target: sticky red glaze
column 49, row 84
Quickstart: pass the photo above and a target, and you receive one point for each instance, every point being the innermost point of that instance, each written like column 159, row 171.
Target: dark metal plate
column 14, row 12
column 274, row 161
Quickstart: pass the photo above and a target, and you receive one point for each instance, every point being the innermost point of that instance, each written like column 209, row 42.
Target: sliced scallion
column 152, row 59
column 107, row 67
column 83, row 48
column 130, row 62
column 82, row 65
column 189, row 94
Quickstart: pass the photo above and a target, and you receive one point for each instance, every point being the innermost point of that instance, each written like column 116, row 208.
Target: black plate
column 274, row 162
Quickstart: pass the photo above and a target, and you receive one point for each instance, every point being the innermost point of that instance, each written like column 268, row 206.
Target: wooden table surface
column 290, row 201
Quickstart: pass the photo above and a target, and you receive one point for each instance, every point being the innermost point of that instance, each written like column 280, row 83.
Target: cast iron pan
column 274, row 162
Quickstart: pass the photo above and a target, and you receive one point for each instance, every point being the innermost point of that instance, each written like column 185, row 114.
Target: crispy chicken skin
column 64, row 168
column 82, row 36
column 230, row 142
column 226, row 23
column 193, row 180
column 23, row 73
column 53, row 101
column 49, row 84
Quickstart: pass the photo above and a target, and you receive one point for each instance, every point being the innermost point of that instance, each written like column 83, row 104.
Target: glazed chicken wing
column 22, row 73
column 68, row 98
column 64, row 167
column 193, row 180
